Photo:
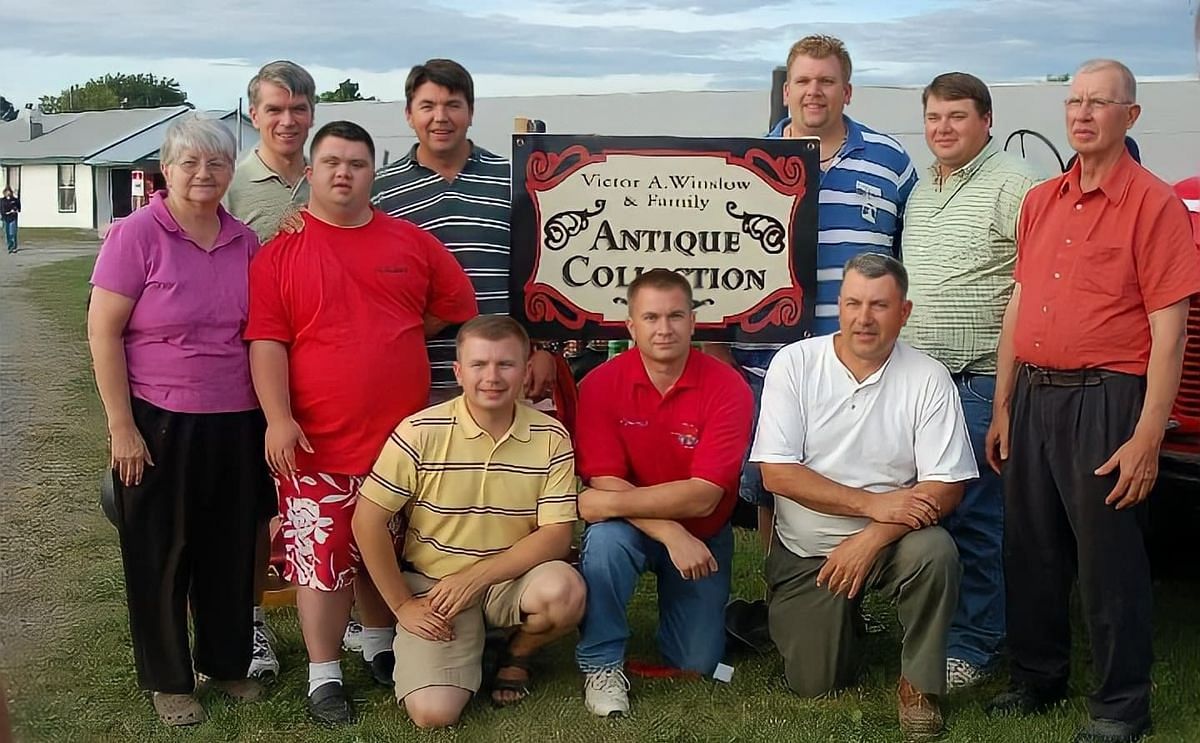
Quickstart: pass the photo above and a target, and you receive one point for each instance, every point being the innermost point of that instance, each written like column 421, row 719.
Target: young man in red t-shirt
column 661, row 434
column 339, row 313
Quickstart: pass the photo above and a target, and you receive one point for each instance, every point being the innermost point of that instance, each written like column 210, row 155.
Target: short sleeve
column 942, row 445
column 393, row 479
column 556, row 504
column 269, row 319
column 451, row 293
column 122, row 265
column 1168, row 264
column 782, row 421
column 726, row 435
column 598, row 443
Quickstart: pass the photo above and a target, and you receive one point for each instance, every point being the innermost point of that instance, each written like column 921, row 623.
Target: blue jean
column 10, row 234
column 691, row 613
column 977, row 526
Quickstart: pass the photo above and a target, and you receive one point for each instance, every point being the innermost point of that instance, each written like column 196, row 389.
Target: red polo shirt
column 699, row 428
column 350, row 304
column 1093, row 266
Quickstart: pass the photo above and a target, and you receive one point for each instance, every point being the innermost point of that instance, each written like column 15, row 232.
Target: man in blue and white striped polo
column 865, row 180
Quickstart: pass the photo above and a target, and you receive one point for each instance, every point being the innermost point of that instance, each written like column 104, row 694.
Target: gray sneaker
column 352, row 638
column 961, row 674
column 264, row 666
column 606, row 692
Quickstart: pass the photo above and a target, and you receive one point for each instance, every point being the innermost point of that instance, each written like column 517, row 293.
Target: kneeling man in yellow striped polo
column 481, row 492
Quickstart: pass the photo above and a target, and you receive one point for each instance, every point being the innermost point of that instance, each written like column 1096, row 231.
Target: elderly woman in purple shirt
column 168, row 306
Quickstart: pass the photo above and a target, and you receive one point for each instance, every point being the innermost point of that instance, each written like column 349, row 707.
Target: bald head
column 1128, row 81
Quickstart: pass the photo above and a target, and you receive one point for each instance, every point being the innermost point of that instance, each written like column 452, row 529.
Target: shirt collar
column 968, row 171
column 854, row 133
column 258, row 170
column 474, row 155
column 874, row 376
column 519, row 429
column 231, row 229
column 689, row 378
column 1115, row 184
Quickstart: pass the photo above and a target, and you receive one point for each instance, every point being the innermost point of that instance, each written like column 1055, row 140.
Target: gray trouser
column 819, row 633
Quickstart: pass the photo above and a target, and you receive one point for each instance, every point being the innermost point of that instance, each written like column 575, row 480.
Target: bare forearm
column 112, row 378
column 269, row 372
column 884, row 534
column 947, row 494
column 812, row 490
column 1006, row 359
column 681, row 499
column 378, row 553
column 1168, row 330
column 660, row 530
column 546, row 543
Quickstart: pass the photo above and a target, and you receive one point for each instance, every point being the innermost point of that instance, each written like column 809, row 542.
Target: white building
column 76, row 169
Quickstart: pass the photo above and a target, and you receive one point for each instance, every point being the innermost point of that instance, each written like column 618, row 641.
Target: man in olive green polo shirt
column 959, row 245
column 269, row 181
column 267, row 184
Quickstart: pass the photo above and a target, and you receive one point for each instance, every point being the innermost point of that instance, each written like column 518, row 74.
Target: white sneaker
column 961, row 674
column 352, row 638
column 263, row 663
column 606, row 692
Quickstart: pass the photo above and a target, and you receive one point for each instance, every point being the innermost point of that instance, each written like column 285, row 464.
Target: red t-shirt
column 699, row 428
column 350, row 304
column 1093, row 267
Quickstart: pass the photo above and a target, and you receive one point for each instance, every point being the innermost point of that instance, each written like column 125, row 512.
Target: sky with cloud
column 539, row 47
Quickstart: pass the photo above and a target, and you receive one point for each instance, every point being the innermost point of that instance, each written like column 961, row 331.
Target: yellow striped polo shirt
column 464, row 496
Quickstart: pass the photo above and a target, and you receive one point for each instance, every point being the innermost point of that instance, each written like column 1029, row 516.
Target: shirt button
column 1078, row 207
column 1068, row 241
column 1037, row 345
column 1045, row 308
column 1057, row 275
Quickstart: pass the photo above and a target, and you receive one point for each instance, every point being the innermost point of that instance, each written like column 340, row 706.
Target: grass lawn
column 80, row 685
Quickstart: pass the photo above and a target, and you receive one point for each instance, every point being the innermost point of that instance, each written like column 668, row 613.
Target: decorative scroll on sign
column 736, row 217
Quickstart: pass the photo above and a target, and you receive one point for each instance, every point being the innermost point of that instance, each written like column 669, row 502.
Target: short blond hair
column 820, row 46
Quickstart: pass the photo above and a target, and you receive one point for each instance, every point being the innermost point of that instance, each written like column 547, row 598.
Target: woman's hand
column 130, row 457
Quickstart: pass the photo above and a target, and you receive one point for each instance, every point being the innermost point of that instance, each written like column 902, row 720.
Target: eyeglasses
column 1096, row 104
column 191, row 167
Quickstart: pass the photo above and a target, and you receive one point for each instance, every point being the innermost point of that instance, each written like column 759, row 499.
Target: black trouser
column 187, row 538
column 1064, row 426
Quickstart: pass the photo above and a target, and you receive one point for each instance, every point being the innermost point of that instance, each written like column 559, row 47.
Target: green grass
column 81, row 686
column 36, row 236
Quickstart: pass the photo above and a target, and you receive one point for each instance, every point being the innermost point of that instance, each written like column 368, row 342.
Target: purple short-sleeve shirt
column 183, row 341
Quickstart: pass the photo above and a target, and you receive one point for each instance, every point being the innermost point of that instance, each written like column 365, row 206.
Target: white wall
column 39, row 198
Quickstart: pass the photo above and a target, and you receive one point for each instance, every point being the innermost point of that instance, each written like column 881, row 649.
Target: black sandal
column 508, row 660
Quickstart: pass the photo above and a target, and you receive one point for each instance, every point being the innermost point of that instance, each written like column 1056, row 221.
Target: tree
column 346, row 91
column 116, row 91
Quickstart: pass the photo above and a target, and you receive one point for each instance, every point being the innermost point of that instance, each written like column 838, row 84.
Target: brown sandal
column 175, row 710
column 521, row 688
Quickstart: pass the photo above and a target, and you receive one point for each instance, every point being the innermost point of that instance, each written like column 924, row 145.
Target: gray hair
column 288, row 75
column 1128, row 81
column 192, row 133
column 878, row 265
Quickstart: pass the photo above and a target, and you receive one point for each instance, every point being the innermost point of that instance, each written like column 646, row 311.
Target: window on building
column 66, row 187
column 12, row 178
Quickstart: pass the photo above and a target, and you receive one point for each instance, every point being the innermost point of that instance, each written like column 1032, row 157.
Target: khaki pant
column 421, row 663
column 819, row 633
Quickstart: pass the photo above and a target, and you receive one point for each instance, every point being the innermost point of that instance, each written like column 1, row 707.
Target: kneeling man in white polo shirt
column 862, row 440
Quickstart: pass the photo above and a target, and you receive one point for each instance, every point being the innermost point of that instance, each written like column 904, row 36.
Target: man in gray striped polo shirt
column 458, row 191
column 959, row 245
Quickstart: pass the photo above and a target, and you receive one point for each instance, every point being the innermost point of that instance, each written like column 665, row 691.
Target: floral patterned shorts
column 316, row 510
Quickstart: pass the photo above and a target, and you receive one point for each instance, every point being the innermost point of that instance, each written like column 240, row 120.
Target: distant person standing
column 268, row 184
column 459, row 192
column 10, row 207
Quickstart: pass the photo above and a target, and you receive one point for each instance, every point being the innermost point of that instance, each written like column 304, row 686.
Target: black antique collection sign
column 736, row 217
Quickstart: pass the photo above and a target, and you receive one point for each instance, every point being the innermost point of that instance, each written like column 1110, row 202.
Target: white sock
column 376, row 640
column 322, row 673
column 260, row 617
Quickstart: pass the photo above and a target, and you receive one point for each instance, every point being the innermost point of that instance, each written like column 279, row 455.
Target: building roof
column 145, row 144
column 77, row 137
column 1167, row 131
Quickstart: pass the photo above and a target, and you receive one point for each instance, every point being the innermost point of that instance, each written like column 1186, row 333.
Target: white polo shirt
column 901, row 425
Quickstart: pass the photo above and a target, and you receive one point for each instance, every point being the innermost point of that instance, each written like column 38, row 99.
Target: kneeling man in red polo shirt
column 661, row 433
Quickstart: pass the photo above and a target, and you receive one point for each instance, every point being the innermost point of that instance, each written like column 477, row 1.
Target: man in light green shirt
column 959, row 245
column 269, row 181
column 267, row 184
